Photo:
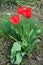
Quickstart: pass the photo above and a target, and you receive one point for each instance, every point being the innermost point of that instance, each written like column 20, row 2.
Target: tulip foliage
column 24, row 30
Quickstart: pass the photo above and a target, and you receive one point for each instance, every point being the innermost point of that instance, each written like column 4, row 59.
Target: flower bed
column 24, row 30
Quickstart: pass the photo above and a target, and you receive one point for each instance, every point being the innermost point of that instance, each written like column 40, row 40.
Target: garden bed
column 35, row 57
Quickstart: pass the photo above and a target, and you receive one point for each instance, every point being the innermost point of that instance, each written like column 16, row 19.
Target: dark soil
column 34, row 58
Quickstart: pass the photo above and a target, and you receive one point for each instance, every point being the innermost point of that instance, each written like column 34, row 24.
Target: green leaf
column 5, row 26
column 16, row 47
column 37, row 41
column 32, row 45
column 15, row 52
column 18, row 58
column 25, row 43
column 38, row 31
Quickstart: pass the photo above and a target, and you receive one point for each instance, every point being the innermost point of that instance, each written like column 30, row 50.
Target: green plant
column 18, row 2
column 25, row 34
column 3, row 1
column 25, row 2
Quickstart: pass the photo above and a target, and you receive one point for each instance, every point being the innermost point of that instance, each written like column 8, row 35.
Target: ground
column 36, row 55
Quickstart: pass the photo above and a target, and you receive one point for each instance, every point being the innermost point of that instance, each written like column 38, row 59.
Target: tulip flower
column 27, row 13
column 15, row 19
column 21, row 9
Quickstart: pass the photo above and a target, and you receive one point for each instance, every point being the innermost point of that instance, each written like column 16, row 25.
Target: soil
column 36, row 55
column 34, row 58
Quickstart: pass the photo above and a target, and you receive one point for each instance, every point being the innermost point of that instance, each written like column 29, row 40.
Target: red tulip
column 15, row 19
column 27, row 12
column 21, row 9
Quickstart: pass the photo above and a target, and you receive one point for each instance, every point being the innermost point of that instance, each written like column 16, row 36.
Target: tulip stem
column 12, row 38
